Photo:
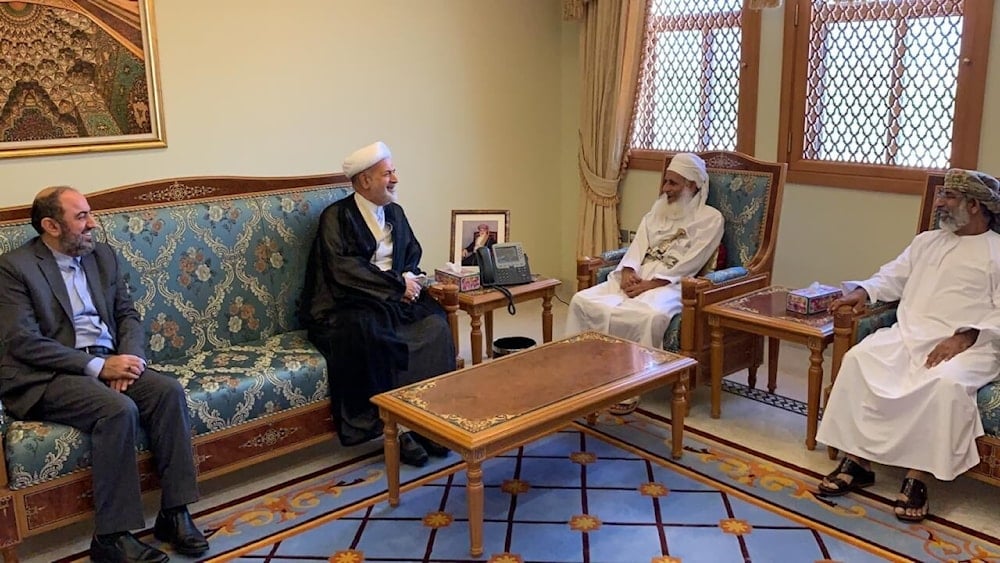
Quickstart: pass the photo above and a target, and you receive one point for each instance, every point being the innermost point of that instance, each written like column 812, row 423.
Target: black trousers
column 155, row 402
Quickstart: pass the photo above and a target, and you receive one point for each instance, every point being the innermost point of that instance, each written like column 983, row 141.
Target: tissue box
column 812, row 299
column 468, row 280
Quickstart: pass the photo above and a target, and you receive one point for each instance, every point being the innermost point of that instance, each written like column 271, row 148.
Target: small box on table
column 813, row 299
column 467, row 280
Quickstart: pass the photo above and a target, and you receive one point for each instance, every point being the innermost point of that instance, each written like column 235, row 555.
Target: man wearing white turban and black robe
column 906, row 395
column 363, row 306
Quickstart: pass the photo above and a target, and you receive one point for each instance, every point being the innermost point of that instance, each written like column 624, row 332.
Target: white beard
column 663, row 210
column 953, row 221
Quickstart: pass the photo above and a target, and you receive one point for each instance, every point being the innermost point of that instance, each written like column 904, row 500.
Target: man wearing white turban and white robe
column 905, row 396
column 675, row 239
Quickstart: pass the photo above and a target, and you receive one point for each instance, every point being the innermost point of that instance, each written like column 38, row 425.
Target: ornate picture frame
column 78, row 77
column 465, row 225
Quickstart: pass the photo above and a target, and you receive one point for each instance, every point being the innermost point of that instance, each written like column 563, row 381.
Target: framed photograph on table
column 78, row 77
column 476, row 228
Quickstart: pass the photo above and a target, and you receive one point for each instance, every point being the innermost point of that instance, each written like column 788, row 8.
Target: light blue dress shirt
column 90, row 329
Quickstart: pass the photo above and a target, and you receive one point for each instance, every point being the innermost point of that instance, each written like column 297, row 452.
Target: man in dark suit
column 74, row 354
column 364, row 308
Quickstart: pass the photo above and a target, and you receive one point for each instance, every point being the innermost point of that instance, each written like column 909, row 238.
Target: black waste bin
column 511, row 344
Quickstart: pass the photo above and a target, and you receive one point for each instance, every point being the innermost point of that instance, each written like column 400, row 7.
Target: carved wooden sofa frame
column 233, row 213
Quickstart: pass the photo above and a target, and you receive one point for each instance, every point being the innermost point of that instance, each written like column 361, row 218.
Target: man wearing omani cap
column 906, row 395
column 676, row 238
column 363, row 305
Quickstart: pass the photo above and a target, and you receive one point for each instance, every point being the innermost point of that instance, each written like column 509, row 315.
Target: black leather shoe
column 125, row 548
column 178, row 529
column 410, row 452
column 432, row 447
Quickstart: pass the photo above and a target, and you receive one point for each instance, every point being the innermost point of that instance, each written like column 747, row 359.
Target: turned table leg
column 714, row 323
column 390, row 435
column 816, row 346
column 474, row 492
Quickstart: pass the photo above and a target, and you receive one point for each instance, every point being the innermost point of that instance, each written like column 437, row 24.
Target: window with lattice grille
column 883, row 91
column 698, row 80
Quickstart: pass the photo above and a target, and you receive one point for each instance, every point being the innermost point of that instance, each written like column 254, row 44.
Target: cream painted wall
column 467, row 95
column 829, row 234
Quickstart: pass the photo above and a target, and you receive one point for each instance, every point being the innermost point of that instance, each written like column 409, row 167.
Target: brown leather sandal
column 860, row 479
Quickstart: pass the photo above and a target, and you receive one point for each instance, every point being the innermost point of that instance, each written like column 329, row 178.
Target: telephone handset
column 504, row 264
column 507, row 264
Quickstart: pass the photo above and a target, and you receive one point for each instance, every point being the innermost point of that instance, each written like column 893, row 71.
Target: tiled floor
column 773, row 431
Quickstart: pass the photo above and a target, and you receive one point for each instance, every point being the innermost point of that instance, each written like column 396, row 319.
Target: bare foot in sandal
column 852, row 474
column 912, row 503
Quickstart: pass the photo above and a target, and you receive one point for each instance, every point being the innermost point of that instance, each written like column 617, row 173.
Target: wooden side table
column 481, row 301
column 763, row 313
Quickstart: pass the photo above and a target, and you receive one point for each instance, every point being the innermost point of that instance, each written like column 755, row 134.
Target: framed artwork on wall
column 475, row 228
column 78, row 77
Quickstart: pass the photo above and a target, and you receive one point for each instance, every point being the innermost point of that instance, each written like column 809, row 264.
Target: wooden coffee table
column 763, row 312
column 481, row 301
column 485, row 410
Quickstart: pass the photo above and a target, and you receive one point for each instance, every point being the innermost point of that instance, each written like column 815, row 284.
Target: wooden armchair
column 748, row 194
column 850, row 328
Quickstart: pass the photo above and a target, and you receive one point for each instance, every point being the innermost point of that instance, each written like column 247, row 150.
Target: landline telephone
column 504, row 264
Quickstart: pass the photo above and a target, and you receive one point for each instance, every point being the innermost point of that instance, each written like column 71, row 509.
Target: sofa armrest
column 446, row 295
column 588, row 267
column 849, row 327
column 728, row 274
column 697, row 293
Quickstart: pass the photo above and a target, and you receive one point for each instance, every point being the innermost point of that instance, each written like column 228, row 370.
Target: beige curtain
column 611, row 46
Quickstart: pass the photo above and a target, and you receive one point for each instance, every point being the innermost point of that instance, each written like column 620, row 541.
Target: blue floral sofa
column 215, row 266
column 850, row 328
column 748, row 194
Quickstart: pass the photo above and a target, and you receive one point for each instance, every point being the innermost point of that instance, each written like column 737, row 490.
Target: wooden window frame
column 970, row 93
column 746, row 120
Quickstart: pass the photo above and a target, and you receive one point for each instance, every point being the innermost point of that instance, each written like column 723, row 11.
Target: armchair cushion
column 721, row 276
column 988, row 400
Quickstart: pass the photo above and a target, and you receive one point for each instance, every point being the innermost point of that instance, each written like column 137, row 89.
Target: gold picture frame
column 78, row 77
column 464, row 225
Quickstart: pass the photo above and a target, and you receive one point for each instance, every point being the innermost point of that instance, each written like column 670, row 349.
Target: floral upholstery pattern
column 743, row 198
column 988, row 398
column 217, row 284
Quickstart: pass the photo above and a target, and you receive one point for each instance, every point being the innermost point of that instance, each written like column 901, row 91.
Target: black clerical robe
column 372, row 340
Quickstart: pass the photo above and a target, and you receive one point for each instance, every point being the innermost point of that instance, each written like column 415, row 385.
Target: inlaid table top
column 768, row 305
column 471, row 405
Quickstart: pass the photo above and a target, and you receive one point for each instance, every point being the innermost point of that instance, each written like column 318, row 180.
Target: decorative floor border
column 762, row 396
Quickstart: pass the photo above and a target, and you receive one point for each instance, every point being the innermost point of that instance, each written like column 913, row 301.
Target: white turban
column 692, row 167
column 364, row 158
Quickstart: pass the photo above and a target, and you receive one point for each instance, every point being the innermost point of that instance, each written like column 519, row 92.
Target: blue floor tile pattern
column 572, row 497
column 608, row 493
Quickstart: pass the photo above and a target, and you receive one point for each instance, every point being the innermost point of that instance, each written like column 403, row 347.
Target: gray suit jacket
column 36, row 320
